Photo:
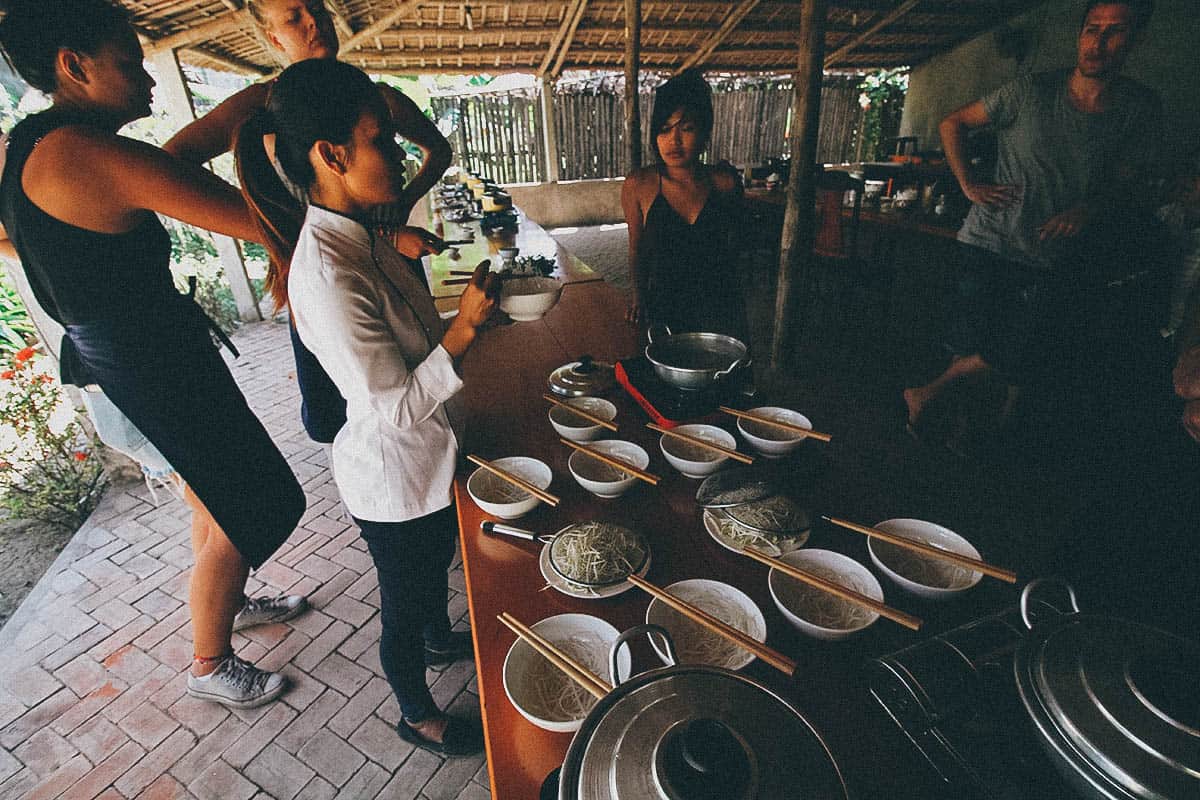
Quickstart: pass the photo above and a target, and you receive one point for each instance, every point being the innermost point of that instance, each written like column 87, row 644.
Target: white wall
column 1164, row 59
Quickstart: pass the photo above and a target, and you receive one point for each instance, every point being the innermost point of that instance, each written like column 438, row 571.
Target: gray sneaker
column 263, row 610
column 238, row 684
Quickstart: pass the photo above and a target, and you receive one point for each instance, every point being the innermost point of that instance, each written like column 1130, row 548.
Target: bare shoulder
column 642, row 183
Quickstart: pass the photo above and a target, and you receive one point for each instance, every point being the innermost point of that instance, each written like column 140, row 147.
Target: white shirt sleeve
column 340, row 318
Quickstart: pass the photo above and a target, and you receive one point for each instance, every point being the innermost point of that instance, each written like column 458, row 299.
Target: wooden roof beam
column 566, row 45
column 220, row 24
column 880, row 24
column 735, row 17
column 568, row 20
column 402, row 9
column 233, row 64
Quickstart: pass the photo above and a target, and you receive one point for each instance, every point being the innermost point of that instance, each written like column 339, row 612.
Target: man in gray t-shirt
column 1057, row 160
column 1070, row 144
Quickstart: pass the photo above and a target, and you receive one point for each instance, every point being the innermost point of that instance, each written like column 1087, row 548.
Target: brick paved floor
column 92, row 700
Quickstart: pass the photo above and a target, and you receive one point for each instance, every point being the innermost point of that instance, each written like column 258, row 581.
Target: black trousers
column 411, row 559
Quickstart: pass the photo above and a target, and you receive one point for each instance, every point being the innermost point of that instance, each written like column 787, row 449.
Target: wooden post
column 633, row 57
column 795, row 246
column 172, row 88
column 549, row 128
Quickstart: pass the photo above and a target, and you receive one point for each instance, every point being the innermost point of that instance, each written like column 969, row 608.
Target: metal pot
column 694, row 361
column 1114, row 702
column 695, row 733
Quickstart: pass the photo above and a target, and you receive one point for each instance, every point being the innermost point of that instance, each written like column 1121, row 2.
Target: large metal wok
column 694, row 733
column 694, row 361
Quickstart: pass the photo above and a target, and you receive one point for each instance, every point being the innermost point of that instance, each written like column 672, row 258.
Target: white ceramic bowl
column 500, row 498
column 768, row 440
column 527, row 673
column 599, row 478
column 578, row 429
column 694, row 644
column 924, row 577
column 692, row 460
column 527, row 299
column 819, row 614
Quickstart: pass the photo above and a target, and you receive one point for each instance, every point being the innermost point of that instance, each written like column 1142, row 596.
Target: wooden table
column 505, row 375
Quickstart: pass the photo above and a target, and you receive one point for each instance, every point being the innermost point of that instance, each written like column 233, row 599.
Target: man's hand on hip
column 1065, row 225
column 992, row 195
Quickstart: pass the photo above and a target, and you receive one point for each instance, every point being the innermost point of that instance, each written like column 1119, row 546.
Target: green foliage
column 882, row 99
column 48, row 471
column 16, row 328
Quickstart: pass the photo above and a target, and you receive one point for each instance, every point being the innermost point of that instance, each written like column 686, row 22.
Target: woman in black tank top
column 78, row 203
column 682, row 216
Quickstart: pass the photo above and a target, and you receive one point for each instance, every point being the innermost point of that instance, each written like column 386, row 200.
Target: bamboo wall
column 499, row 134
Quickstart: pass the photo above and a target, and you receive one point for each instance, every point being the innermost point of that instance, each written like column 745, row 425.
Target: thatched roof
column 404, row 36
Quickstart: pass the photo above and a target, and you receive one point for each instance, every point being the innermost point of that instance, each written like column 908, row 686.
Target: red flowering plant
column 48, row 466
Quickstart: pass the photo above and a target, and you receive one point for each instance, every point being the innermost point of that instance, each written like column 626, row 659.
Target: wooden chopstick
column 461, row 272
column 617, row 463
column 596, row 686
column 457, row 281
column 817, row 582
column 771, row 656
column 1006, row 575
column 540, row 494
column 808, row 433
column 603, row 423
column 734, row 454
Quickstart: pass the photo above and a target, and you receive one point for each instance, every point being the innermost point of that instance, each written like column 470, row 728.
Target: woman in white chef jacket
column 373, row 327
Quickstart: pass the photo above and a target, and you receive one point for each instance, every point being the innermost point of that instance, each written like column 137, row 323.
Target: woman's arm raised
column 125, row 178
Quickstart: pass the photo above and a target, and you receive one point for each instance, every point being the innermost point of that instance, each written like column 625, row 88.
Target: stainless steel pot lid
column 731, row 487
column 776, row 515
column 1119, row 701
column 582, row 377
column 698, row 733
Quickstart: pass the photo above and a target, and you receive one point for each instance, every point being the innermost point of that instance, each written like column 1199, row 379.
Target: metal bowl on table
column 694, row 361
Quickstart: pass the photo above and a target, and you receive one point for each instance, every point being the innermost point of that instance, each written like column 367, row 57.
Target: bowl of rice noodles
column 543, row 693
column 696, row 644
column 597, row 554
column 502, row 499
column 817, row 613
column 923, row 576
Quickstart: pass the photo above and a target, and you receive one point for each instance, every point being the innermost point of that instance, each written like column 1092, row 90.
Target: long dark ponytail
column 311, row 101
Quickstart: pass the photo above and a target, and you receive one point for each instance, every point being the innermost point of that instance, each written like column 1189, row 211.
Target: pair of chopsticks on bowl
column 595, row 685
column 520, row 483
column 835, row 589
column 1000, row 573
column 808, row 433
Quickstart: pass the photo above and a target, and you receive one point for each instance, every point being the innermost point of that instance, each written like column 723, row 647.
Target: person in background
column 93, row 250
column 373, row 327
column 1181, row 216
column 1071, row 145
column 296, row 30
column 682, row 216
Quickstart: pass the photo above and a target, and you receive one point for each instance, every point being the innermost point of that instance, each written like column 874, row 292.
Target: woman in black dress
column 682, row 216
column 97, row 259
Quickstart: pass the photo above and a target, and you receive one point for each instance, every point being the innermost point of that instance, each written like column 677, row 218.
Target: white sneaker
column 263, row 610
column 237, row 683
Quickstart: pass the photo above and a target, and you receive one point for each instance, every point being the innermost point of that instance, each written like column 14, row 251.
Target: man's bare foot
column 915, row 398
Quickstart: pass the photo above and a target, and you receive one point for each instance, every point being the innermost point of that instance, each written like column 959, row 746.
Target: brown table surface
column 505, row 374
column 530, row 237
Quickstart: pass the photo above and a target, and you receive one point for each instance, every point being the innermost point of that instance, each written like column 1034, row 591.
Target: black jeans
column 411, row 559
